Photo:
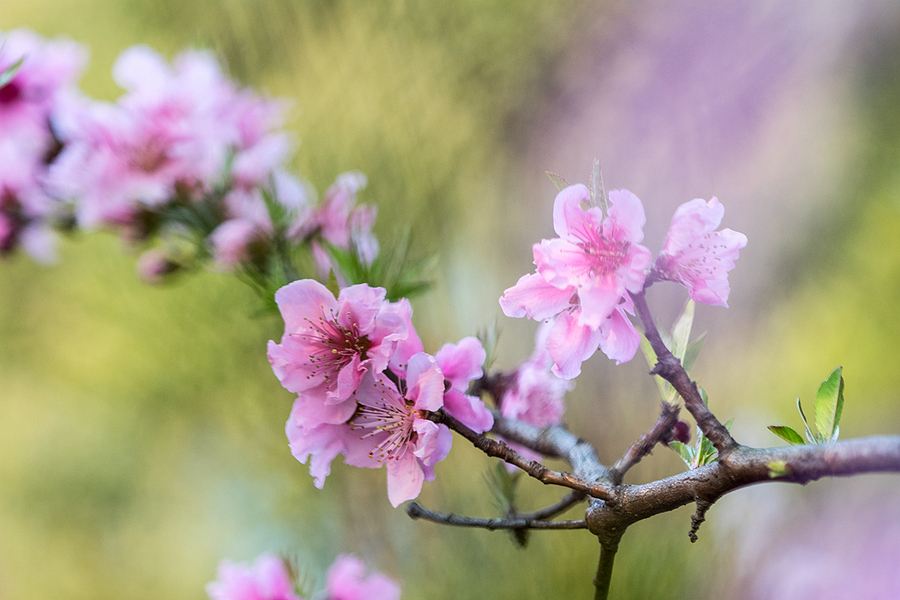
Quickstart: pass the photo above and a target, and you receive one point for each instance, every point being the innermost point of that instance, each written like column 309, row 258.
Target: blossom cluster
column 185, row 157
column 584, row 278
column 38, row 75
column 365, row 386
column 269, row 577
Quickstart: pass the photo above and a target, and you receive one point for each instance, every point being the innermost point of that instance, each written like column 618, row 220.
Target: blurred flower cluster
column 185, row 165
column 270, row 577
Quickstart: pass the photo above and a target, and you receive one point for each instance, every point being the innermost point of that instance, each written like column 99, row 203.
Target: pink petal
column 404, row 479
column 470, row 410
column 461, row 363
column 425, row 382
column 534, row 298
column 626, row 217
column 620, row 340
column 569, row 344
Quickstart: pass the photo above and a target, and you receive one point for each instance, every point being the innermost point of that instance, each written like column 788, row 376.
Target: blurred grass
column 141, row 429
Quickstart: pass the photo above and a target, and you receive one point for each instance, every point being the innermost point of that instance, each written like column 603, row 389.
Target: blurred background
column 141, row 429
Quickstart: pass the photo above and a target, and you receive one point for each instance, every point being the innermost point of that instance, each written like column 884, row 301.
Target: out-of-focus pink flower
column 339, row 221
column 536, row 396
column 392, row 431
column 584, row 276
column 169, row 137
column 696, row 255
column 329, row 343
column 48, row 71
column 347, row 580
column 461, row 363
column 267, row 578
column 29, row 106
column 154, row 264
column 231, row 241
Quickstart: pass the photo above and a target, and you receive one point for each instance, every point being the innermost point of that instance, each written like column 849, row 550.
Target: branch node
column 698, row 517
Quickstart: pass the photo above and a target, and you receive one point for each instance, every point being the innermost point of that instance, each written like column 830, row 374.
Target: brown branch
column 557, row 442
column 662, row 431
column 744, row 466
column 669, row 368
column 415, row 511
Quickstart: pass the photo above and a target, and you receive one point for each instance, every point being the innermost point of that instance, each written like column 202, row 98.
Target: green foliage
column 828, row 409
column 557, row 180
column 504, row 489
column 9, row 72
column 598, row 190
column 701, row 453
column 393, row 269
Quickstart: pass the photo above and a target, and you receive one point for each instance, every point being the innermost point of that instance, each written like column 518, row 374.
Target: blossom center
column 11, row 92
column 602, row 255
column 390, row 414
column 332, row 346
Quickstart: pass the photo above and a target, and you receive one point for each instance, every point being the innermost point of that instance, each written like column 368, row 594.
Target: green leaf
column 557, row 180
column 829, row 405
column 665, row 390
column 9, row 72
column 332, row 283
column 686, row 453
column 787, row 434
column 681, row 331
column 598, row 190
column 809, row 435
column 692, row 352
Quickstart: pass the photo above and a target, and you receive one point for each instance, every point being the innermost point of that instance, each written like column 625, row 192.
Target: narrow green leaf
column 332, row 283
column 686, row 453
column 557, row 180
column 661, row 384
column 809, row 435
column 787, row 434
column 681, row 331
column 829, row 405
column 10, row 72
column 706, row 453
column 692, row 352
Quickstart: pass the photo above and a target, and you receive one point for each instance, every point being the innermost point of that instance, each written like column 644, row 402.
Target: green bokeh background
column 141, row 429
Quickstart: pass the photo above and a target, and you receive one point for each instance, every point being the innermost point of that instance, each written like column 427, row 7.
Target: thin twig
column 567, row 502
column 641, row 448
column 535, row 469
column 415, row 511
column 669, row 368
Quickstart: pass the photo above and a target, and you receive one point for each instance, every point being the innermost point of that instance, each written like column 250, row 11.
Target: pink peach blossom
column 461, row 364
column 697, row 256
column 393, row 432
column 347, row 580
column 267, row 578
column 330, row 343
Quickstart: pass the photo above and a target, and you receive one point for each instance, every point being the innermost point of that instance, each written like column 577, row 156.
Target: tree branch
column 556, row 442
column 669, row 368
column 744, row 466
column 641, row 448
column 567, row 502
column 415, row 511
